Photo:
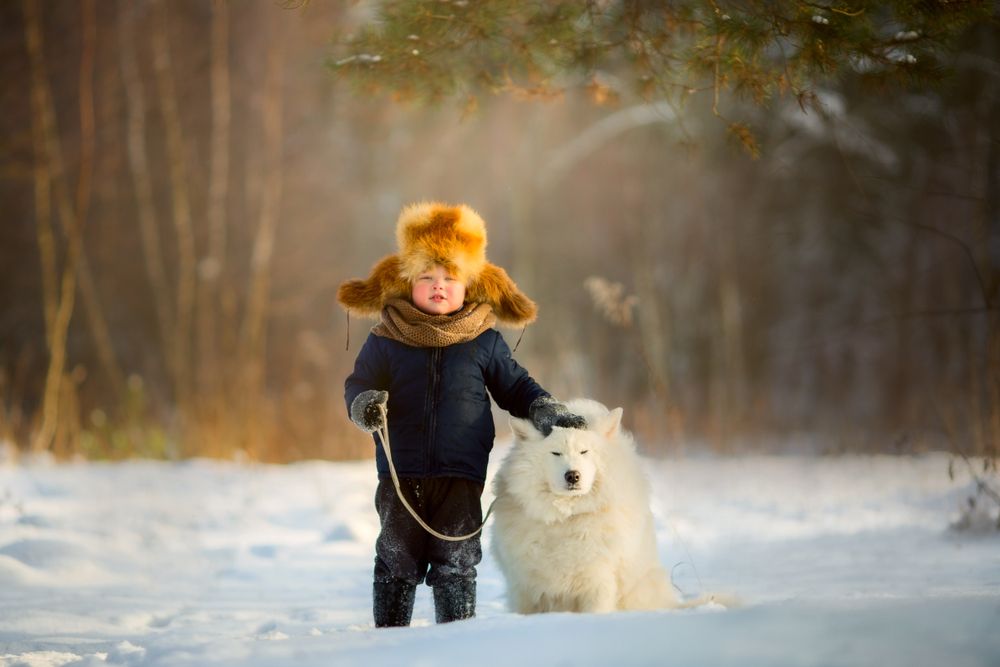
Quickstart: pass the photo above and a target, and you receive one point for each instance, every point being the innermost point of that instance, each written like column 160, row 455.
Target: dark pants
column 406, row 552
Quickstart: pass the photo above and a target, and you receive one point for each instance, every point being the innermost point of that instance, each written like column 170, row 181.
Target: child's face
column 437, row 292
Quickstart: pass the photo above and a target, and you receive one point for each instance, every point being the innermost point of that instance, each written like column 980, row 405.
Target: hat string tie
column 519, row 339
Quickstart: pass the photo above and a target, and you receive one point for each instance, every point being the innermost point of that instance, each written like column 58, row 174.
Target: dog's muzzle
column 572, row 479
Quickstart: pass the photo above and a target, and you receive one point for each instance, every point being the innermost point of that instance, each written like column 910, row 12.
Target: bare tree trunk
column 84, row 190
column 992, row 448
column 729, row 369
column 51, row 157
column 254, row 329
column 83, row 185
column 991, row 270
column 98, row 325
column 906, row 367
column 186, row 279
column 212, row 265
column 47, row 134
column 143, row 184
column 654, row 328
column 43, row 198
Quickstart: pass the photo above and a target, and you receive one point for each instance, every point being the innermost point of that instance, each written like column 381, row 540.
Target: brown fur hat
column 431, row 233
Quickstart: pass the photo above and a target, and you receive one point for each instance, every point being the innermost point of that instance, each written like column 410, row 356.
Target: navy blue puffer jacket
column 440, row 424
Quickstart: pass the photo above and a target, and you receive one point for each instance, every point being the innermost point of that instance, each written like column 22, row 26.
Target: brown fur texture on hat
column 454, row 237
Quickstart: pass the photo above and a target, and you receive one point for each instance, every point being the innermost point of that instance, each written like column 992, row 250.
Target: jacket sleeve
column 370, row 371
column 509, row 384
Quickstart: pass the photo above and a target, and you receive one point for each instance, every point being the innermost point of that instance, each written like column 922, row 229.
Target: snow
column 834, row 561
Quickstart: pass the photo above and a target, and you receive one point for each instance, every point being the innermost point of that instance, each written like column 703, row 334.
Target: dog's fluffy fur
column 579, row 542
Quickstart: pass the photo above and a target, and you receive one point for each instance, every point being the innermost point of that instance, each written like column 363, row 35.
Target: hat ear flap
column 510, row 305
column 366, row 297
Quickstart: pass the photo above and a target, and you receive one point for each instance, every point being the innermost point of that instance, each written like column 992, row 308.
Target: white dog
column 573, row 530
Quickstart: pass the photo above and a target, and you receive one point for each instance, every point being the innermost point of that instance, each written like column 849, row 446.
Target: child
column 431, row 361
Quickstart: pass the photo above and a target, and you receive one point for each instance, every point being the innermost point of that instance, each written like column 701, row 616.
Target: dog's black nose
column 572, row 477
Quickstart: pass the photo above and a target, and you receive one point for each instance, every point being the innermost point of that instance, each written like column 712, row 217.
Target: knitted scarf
column 404, row 322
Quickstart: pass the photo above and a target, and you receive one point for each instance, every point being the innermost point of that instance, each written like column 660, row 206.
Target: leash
column 689, row 561
column 383, row 434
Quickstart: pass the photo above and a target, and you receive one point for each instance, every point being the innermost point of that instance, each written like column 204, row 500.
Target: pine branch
column 756, row 49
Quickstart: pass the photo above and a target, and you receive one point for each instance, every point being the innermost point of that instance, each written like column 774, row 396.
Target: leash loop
column 383, row 434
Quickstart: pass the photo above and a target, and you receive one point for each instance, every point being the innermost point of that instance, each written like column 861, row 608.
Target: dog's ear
column 524, row 430
column 608, row 426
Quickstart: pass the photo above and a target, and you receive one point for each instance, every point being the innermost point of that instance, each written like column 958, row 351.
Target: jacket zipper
column 432, row 411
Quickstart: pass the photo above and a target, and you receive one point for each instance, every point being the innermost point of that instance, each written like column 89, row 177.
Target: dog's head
column 571, row 459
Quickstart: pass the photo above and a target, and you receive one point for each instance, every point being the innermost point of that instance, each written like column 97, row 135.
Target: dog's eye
column 585, row 451
column 556, row 453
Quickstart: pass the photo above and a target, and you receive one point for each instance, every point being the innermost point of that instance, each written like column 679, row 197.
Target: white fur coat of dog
column 573, row 530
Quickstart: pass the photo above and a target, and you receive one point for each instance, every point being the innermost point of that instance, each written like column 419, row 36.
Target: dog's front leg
column 600, row 596
column 525, row 602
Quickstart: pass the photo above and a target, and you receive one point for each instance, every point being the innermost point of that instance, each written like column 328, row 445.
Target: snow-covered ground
column 836, row 561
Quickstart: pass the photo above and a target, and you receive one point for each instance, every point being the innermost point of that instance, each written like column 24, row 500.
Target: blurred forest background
column 186, row 183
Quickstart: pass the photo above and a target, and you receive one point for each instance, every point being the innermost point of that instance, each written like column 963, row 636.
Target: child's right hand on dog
column 365, row 412
column 546, row 412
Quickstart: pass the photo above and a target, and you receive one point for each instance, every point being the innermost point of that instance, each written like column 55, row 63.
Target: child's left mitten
column 365, row 412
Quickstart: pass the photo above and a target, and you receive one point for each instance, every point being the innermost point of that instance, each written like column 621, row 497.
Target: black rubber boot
column 393, row 603
column 455, row 601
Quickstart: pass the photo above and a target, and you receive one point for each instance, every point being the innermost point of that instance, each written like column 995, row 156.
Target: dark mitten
column 365, row 409
column 546, row 412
